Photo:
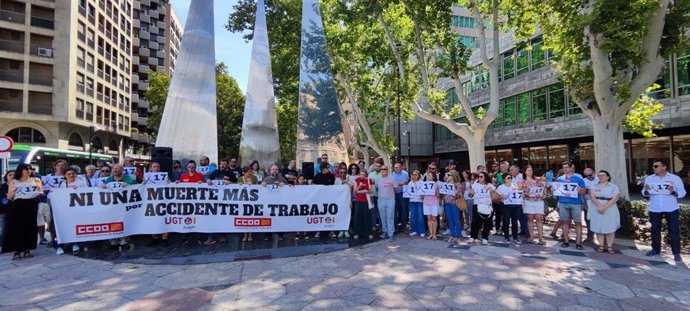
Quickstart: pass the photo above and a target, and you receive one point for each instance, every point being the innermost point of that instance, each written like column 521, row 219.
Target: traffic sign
column 6, row 143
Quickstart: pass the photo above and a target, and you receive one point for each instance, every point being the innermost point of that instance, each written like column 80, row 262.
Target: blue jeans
column 417, row 217
column 374, row 211
column 453, row 214
column 673, row 223
column 387, row 213
column 402, row 211
column 2, row 228
column 468, row 212
column 511, row 213
column 523, row 224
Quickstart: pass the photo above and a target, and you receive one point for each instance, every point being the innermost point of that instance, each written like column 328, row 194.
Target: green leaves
column 639, row 118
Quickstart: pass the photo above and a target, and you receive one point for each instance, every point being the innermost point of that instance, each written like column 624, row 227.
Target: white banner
column 88, row 214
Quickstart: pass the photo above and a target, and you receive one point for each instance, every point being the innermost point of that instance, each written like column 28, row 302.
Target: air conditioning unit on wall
column 45, row 52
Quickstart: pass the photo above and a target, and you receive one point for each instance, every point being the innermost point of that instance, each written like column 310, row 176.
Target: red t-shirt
column 186, row 178
column 362, row 196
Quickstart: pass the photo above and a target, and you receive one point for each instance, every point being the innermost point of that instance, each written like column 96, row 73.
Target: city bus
column 42, row 158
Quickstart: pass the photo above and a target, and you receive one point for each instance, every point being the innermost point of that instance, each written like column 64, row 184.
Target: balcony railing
column 89, row 91
column 12, row 75
column 80, row 88
column 81, row 37
column 12, row 46
column 91, row 43
column 89, row 67
column 80, row 114
column 82, row 10
column 10, row 105
column 101, row 28
column 107, row 100
column 41, row 79
column 100, row 73
column 80, row 63
column 92, row 19
column 107, row 77
column 100, row 50
column 42, row 22
column 99, row 96
column 12, row 17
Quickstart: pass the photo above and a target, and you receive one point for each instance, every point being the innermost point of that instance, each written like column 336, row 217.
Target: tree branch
column 392, row 44
column 603, row 71
column 461, row 129
column 421, row 57
column 653, row 62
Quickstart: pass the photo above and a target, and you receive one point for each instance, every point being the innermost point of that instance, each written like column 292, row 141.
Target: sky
column 231, row 48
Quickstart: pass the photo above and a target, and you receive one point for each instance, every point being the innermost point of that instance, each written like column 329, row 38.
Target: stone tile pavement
column 410, row 273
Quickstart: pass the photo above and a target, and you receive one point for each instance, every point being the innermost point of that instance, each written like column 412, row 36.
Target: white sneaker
column 317, row 235
column 422, row 235
column 413, row 233
column 447, row 232
column 75, row 248
column 470, row 241
column 485, row 242
column 59, row 251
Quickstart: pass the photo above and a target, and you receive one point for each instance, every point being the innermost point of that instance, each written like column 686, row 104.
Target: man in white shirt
column 664, row 189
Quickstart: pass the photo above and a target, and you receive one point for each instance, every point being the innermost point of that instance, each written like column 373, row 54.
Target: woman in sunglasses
column 21, row 230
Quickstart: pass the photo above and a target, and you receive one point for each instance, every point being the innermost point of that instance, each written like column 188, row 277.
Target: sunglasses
column 656, row 166
column 509, row 177
column 105, row 171
column 384, row 169
column 481, row 177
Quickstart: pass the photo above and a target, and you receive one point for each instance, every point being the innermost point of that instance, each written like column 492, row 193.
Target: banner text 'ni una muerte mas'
column 88, row 214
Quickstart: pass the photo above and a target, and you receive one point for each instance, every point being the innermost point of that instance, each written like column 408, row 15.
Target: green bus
column 42, row 158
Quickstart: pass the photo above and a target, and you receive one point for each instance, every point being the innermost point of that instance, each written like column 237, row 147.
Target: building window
column 75, row 141
column 467, row 41
column 539, row 104
column 498, row 122
column 80, row 83
column 462, row 21
column 475, row 79
column 681, row 158
column 646, row 151
column 485, row 77
column 508, row 66
column 664, row 82
column 683, row 65
column 573, row 107
column 522, row 62
column 26, row 135
column 524, row 108
column 80, row 108
column 537, row 158
column 509, row 111
column 556, row 101
column 538, row 58
column 89, row 112
column 557, row 155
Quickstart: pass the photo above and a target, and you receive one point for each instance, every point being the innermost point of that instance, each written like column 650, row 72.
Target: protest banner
column 88, row 214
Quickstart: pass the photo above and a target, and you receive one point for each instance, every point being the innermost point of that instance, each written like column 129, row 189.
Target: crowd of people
column 386, row 201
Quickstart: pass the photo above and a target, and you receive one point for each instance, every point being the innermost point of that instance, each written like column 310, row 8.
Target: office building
column 65, row 73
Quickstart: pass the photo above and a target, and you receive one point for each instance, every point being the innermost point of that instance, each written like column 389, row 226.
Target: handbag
column 461, row 203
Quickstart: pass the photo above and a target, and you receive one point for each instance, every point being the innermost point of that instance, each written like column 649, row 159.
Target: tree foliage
column 639, row 118
column 229, row 107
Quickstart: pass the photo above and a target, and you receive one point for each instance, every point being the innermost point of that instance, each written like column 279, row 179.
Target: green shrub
column 635, row 222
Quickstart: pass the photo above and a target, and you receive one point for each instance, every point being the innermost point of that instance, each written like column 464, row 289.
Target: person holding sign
column 416, row 207
column 155, row 177
column 568, row 188
column 21, row 229
column 247, row 178
column 344, row 179
column 118, row 180
column 533, row 204
column 45, row 215
column 431, row 201
column 71, row 181
column 511, row 193
column 663, row 190
column 5, row 204
column 455, row 184
column 362, row 189
column 603, row 211
column 481, row 193
column 386, row 186
column 191, row 176
column 257, row 171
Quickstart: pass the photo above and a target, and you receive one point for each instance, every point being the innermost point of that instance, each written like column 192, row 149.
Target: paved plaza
column 410, row 273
